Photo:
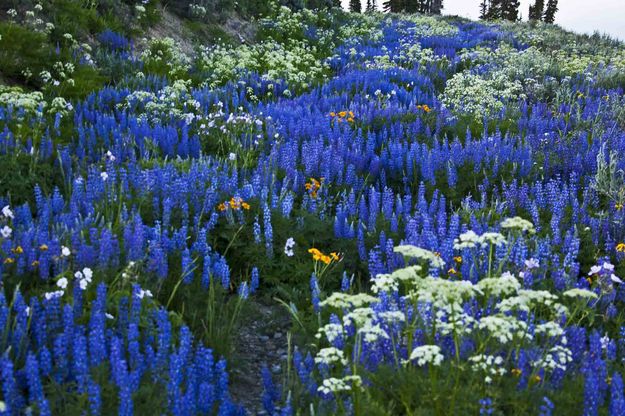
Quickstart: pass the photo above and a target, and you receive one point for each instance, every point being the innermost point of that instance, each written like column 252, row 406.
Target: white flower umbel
column 338, row 385
column 359, row 317
column 372, row 333
column 466, row 240
column 495, row 239
column 505, row 285
column 420, row 254
column 518, row 223
column 526, row 299
column 504, row 328
column 342, row 300
column 384, row 283
column 330, row 355
column 331, row 331
column 557, row 358
column 489, row 364
column 580, row 293
column 392, row 316
column 426, row 354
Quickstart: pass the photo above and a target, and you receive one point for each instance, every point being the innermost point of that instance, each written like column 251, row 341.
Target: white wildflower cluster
column 492, row 239
column 340, row 385
column 391, row 317
column 165, row 53
column 525, row 299
column 173, row 100
column 329, row 356
column 499, row 286
column 478, row 96
column 426, row 354
column 32, row 103
column 371, row 332
column 359, row 317
column 7, row 215
column 331, row 332
column 197, row 10
column 84, row 277
column 60, row 106
column 54, row 294
column 550, row 329
column 504, row 328
column 556, row 358
column 490, row 365
column 470, row 240
column 59, row 73
column 296, row 63
column 580, row 293
column 421, row 254
column 441, row 292
column 466, row 240
column 425, row 26
column 452, row 319
column 144, row 294
column 518, row 223
column 342, row 300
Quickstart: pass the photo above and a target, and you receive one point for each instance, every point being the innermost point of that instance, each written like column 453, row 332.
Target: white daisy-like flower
column 65, row 251
column 6, row 211
column 62, row 282
column 104, row 176
column 288, row 247
column 6, row 231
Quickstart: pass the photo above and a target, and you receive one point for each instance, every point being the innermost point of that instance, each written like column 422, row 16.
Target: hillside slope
column 312, row 212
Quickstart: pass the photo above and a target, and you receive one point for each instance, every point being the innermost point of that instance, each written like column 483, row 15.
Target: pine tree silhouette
column 536, row 11
column 436, row 7
column 510, row 10
column 355, row 6
column 484, row 9
column 393, row 6
column 550, row 12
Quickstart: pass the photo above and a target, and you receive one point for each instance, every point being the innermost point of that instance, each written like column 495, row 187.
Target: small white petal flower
column 65, row 251
column 6, row 211
column 6, row 231
column 62, row 282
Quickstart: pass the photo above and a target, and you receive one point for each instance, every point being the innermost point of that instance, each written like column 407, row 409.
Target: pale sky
column 584, row 16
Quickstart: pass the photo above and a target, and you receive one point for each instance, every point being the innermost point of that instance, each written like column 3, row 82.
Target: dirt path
column 261, row 340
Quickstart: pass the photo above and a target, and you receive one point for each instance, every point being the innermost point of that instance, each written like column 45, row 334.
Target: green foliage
column 22, row 50
column 22, row 172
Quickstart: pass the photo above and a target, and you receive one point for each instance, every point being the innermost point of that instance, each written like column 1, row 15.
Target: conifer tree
column 536, row 11
column 355, row 6
column 510, row 10
column 550, row 12
column 393, row 6
column 413, row 6
column 484, row 9
column 495, row 9
column 437, row 7
column 371, row 6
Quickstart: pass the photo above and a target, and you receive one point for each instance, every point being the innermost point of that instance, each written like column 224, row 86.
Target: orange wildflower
column 221, row 207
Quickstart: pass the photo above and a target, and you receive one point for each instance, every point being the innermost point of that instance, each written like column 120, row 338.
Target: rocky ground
column 261, row 341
